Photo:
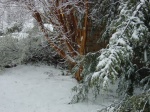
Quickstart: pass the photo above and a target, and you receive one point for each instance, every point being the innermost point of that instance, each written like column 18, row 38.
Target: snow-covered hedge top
column 20, row 35
column 28, row 25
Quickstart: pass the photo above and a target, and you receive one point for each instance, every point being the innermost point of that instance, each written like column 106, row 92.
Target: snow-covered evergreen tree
column 128, row 31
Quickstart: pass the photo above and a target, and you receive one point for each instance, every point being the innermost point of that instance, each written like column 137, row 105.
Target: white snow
column 145, row 55
column 121, row 41
column 135, row 35
column 95, row 75
column 142, row 1
column 28, row 25
column 105, row 81
column 20, row 35
column 49, row 27
column 30, row 88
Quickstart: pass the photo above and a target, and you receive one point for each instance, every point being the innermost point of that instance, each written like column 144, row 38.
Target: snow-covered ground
column 30, row 88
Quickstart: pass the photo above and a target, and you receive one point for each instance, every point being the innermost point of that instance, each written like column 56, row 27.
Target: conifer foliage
column 125, row 58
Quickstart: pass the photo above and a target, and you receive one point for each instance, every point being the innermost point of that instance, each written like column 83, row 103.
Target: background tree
column 73, row 21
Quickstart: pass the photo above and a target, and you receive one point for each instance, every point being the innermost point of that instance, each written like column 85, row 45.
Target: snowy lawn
column 28, row 88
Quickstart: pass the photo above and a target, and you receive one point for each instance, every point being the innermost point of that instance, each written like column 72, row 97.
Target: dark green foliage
column 102, row 11
column 89, row 63
column 1, row 33
column 127, row 80
column 15, row 27
column 136, row 103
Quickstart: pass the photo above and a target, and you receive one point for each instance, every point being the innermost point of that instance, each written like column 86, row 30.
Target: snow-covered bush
column 10, row 51
column 24, row 43
column 35, row 47
column 13, row 27
column 36, row 51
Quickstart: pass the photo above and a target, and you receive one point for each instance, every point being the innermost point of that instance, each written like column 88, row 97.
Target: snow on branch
column 49, row 27
column 119, row 50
